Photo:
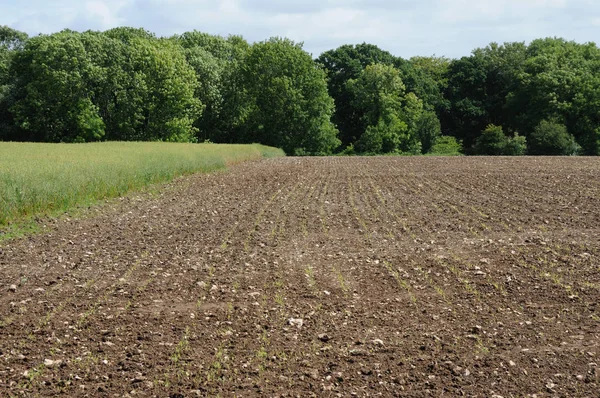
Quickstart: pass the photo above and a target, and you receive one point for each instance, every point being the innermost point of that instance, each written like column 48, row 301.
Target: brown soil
column 406, row 277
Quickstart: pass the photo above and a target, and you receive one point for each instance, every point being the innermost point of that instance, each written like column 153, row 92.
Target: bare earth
column 326, row 277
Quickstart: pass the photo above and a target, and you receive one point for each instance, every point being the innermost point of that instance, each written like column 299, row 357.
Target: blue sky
column 406, row 28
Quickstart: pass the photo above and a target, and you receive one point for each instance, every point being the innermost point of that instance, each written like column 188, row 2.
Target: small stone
column 512, row 363
column 312, row 373
column 467, row 373
column 356, row 352
column 50, row 363
column 324, row 337
column 296, row 322
column 201, row 284
column 13, row 288
column 378, row 342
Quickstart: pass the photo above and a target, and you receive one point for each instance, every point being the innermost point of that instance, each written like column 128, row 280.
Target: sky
column 406, row 28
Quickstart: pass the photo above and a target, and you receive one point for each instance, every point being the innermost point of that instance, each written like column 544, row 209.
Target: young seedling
column 356, row 212
column 322, row 214
column 309, row 271
column 401, row 282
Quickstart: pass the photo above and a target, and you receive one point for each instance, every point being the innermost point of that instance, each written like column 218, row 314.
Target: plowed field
column 409, row 277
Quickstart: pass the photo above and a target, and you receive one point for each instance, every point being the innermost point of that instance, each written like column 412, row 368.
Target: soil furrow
column 381, row 276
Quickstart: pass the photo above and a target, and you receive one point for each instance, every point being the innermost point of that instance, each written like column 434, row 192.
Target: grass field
column 38, row 179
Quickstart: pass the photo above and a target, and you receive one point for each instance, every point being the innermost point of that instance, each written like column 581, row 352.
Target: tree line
column 127, row 84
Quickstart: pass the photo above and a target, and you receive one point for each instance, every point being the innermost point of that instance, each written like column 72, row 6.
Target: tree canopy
column 541, row 98
column 287, row 104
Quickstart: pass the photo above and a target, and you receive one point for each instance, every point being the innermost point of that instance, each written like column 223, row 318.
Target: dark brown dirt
column 406, row 277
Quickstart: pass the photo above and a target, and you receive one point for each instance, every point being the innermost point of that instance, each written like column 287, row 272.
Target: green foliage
column 150, row 90
column 518, row 86
column 11, row 42
column 384, row 137
column 348, row 151
column 53, row 100
column 477, row 89
column 122, row 84
column 516, row 146
column 287, row 104
column 380, row 117
column 551, row 138
column 390, row 118
column 560, row 81
column 170, row 107
column 446, row 146
column 493, row 142
column 127, row 84
column 215, row 60
column 427, row 78
column 11, row 39
column 428, row 130
column 342, row 65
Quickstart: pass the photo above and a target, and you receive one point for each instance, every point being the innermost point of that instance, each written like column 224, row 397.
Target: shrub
column 446, row 146
column 348, row 151
column 492, row 141
column 552, row 138
column 428, row 130
column 516, row 146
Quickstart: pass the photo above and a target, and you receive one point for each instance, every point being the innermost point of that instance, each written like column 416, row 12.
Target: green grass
column 46, row 179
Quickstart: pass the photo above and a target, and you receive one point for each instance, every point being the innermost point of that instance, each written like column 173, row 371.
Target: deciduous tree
column 288, row 103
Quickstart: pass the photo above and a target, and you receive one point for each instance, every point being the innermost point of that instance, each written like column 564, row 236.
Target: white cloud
column 482, row 11
column 404, row 27
column 101, row 11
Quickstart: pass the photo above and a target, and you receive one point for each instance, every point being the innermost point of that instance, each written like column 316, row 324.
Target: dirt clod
column 324, row 337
